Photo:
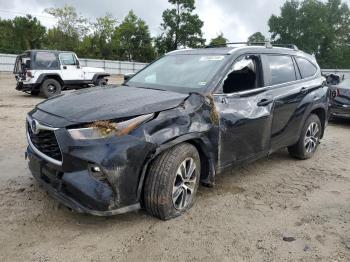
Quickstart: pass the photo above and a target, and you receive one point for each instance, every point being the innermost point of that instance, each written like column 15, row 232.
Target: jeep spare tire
column 50, row 87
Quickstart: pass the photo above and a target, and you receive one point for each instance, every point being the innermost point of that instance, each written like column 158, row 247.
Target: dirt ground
column 248, row 216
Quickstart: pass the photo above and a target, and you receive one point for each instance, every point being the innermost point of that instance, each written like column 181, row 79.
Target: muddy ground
column 244, row 218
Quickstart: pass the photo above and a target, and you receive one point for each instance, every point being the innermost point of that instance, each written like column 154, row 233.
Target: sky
column 236, row 19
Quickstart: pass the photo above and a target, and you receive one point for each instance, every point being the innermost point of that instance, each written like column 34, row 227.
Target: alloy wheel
column 184, row 184
column 312, row 137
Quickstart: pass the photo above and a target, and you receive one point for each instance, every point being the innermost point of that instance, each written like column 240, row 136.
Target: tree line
column 318, row 27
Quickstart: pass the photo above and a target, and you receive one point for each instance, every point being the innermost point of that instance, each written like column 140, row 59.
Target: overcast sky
column 237, row 19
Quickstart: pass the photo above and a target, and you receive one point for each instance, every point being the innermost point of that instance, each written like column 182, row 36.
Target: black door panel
column 244, row 128
column 290, row 104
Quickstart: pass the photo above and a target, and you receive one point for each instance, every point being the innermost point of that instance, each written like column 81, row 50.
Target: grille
column 45, row 142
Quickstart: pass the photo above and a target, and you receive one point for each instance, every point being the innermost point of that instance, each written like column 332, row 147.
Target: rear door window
column 307, row 69
column 281, row 69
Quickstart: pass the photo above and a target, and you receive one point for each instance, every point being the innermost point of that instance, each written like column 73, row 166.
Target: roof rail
column 226, row 44
column 290, row 46
column 267, row 44
column 178, row 50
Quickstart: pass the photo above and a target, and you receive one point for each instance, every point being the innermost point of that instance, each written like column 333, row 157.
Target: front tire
column 50, row 87
column 172, row 181
column 102, row 82
column 309, row 139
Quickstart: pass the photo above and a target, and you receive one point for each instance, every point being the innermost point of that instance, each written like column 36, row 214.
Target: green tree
column 220, row 40
column 58, row 40
column 257, row 37
column 7, row 37
column 70, row 29
column 99, row 43
column 69, row 21
column 181, row 28
column 321, row 28
column 21, row 33
column 132, row 40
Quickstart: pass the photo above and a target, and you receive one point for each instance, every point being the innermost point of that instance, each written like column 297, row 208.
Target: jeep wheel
column 309, row 139
column 50, row 87
column 102, row 82
column 172, row 181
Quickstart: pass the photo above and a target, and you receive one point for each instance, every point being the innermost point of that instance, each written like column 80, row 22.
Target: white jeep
column 49, row 72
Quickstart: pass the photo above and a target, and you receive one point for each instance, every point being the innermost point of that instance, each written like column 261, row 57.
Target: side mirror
column 78, row 64
column 64, row 67
column 127, row 77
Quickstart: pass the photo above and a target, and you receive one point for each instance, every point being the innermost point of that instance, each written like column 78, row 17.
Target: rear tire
column 309, row 139
column 50, row 87
column 172, row 181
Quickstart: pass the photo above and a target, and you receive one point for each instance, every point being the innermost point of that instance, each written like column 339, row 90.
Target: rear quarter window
column 45, row 60
column 307, row 69
column 281, row 69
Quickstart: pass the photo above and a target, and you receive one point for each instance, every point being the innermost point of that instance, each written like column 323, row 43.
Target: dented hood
column 112, row 102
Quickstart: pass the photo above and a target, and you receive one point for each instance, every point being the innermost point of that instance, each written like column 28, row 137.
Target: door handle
column 304, row 90
column 265, row 102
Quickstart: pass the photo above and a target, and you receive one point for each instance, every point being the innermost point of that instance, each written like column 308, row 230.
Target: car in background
column 49, row 72
column 340, row 100
column 333, row 79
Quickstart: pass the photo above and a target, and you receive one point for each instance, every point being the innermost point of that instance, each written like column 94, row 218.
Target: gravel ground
column 276, row 209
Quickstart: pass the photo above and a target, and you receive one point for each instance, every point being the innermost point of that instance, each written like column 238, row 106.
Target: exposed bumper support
column 78, row 190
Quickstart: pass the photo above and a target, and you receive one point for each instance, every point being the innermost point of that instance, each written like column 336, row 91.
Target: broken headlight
column 105, row 129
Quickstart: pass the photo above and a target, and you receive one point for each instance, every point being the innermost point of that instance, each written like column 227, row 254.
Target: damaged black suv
column 180, row 121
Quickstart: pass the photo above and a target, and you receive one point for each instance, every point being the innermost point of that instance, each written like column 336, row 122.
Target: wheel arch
column 98, row 76
column 321, row 111
column 206, row 157
column 322, row 115
column 43, row 77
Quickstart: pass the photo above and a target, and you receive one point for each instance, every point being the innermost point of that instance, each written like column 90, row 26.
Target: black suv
column 180, row 121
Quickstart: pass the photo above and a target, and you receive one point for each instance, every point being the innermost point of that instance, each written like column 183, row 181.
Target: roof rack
column 267, row 44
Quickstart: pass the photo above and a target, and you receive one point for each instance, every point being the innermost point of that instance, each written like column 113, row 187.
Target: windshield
column 181, row 73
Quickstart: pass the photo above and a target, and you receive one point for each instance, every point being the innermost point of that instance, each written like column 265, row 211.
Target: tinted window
column 67, row 59
column 281, row 69
column 307, row 69
column 45, row 60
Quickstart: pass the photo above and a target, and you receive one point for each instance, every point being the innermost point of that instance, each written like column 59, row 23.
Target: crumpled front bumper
column 79, row 191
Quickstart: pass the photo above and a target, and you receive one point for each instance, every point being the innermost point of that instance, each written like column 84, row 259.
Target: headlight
column 104, row 129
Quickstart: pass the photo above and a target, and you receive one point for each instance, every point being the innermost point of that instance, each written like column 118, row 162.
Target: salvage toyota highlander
column 180, row 121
